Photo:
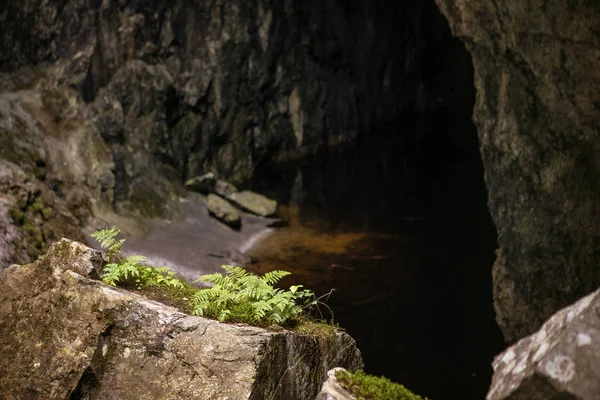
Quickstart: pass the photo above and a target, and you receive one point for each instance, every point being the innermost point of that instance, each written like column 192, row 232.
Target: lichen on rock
column 560, row 361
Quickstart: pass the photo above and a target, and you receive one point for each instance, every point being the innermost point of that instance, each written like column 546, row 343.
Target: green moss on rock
column 369, row 387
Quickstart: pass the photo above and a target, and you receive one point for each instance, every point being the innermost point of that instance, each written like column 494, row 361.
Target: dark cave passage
column 398, row 225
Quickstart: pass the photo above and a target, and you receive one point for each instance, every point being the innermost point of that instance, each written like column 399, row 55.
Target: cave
column 420, row 301
column 383, row 147
column 435, row 162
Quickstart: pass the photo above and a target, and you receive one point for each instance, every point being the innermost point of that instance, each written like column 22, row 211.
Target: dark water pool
column 407, row 244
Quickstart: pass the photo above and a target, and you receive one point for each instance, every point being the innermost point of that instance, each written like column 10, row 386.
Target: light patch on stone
column 562, row 368
column 126, row 352
column 57, row 273
column 265, row 26
column 297, row 116
column 541, row 336
column 508, row 357
column 104, row 349
column 520, row 367
column 570, row 315
column 583, row 339
column 36, row 365
column 541, row 352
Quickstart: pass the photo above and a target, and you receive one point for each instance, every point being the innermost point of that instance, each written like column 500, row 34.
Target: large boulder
column 560, row 361
column 64, row 334
column 538, row 90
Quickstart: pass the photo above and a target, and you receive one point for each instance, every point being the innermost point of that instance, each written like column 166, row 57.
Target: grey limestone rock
column 560, row 361
column 66, row 335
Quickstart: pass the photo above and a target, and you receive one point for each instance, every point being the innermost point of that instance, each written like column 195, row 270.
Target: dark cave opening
column 420, row 302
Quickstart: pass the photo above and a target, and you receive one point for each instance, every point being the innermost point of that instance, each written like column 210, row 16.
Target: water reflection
column 408, row 247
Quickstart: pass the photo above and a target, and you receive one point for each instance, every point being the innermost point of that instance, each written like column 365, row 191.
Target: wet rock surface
column 196, row 243
column 538, row 90
column 560, row 361
column 65, row 335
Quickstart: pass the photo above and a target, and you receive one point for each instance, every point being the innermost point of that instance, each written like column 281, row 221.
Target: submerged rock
column 65, row 335
column 254, row 203
column 223, row 211
column 560, row 361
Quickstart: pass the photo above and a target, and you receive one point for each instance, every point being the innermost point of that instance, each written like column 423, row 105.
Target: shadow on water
column 407, row 244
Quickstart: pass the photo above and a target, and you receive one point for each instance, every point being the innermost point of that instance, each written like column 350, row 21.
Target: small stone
column 225, row 189
column 332, row 390
column 223, row 211
column 254, row 203
column 204, row 184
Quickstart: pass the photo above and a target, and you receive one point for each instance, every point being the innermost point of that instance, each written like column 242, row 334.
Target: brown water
column 408, row 247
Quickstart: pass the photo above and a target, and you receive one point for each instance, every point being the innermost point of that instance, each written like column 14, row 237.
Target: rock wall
column 141, row 95
column 217, row 85
column 65, row 334
column 538, row 116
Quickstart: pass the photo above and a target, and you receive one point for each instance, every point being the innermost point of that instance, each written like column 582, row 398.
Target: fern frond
column 134, row 259
column 236, row 273
column 242, row 296
column 274, row 276
column 106, row 236
column 110, row 274
column 205, row 295
column 224, row 314
column 107, row 239
column 129, row 268
column 215, row 278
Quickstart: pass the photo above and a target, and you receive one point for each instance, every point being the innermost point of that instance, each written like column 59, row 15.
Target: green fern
column 240, row 296
column 107, row 239
column 130, row 270
column 236, row 296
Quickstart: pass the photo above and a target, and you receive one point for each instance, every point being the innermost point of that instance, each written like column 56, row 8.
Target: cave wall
column 537, row 112
column 117, row 102
column 186, row 87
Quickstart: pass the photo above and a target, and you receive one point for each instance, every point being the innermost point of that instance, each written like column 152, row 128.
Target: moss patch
column 17, row 215
column 318, row 329
column 29, row 221
column 177, row 297
column 369, row 387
